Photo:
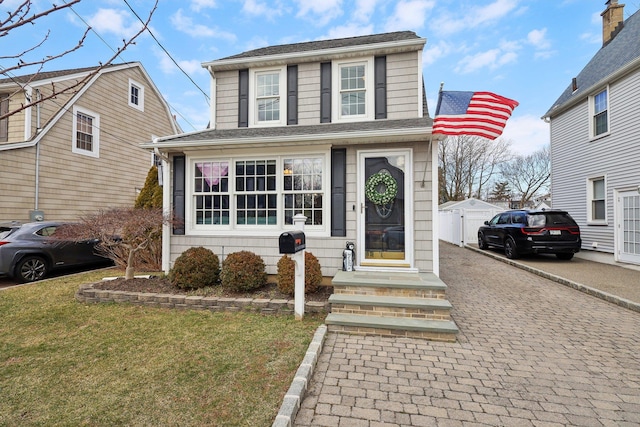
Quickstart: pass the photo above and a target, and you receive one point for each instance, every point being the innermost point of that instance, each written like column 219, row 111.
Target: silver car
column 29, row 252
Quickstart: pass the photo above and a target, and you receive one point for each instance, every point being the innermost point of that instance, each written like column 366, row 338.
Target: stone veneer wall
column 86, row 293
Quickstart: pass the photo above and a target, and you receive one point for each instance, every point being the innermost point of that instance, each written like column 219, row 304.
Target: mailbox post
column 294, row 244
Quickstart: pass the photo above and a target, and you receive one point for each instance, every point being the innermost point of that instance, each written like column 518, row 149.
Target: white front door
column 385, row 226
column 628, row 227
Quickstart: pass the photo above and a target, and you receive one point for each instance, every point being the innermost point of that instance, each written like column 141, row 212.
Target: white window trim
column 96, row 133
column 336, row 110
column 590, row 195
column 233, row 228
column 592, row 109
column 140, row 87
column 253, row 111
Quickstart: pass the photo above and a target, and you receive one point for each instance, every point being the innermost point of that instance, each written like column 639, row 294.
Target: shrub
column 151, row 194
column 195, row 268
column 286, row 274
column 243, row 271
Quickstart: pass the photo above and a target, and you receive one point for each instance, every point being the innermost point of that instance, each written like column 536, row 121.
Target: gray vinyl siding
column 309, row 94
column 616, row 156
column 403, row 85
column 328, row 249
column 227, row 99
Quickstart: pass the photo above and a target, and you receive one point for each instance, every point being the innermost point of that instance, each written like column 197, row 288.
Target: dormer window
column 136, row 95
column 268, row 87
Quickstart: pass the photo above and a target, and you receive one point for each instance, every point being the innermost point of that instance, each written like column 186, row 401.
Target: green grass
column 64, row 363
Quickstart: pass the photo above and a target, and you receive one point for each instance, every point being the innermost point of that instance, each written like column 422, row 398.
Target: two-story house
column 77, row 151
column 336, row 130
column 595, row 147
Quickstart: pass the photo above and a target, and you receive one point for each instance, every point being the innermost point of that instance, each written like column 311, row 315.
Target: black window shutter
column 325, row 92
column 339, row 192
column 380, row 79
column 178, row 194
column 243, row 99
column 292, row 95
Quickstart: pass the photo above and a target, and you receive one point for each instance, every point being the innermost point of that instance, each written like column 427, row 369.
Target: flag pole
column 424, row 174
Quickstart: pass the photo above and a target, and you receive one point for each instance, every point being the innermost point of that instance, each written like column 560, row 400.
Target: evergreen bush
column 286, row 274
column 196, row 267
column 243, row 271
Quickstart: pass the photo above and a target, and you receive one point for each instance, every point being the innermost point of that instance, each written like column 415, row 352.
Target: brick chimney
column 612, row 21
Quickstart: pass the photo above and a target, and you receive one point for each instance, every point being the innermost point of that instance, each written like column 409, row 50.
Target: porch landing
column 391, row 304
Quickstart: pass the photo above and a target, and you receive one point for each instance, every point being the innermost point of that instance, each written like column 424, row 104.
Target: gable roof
column 617, row 57
column 44, row 77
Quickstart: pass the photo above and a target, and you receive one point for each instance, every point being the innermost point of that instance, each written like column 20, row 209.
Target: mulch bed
column 162, row 285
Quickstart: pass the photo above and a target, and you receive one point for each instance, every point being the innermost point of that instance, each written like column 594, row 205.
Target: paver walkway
column 531, row 352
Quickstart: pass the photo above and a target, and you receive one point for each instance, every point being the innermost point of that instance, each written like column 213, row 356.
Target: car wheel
column 565, row 257
column 481, row 243
column 30, row 269
column 510, row 249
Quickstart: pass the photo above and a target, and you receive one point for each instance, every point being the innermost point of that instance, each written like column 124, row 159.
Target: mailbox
column 292, row 242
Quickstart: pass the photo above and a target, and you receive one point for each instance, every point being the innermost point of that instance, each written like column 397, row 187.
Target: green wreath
column 373, row 193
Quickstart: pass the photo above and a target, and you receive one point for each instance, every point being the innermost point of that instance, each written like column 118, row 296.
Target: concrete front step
column 398, row 284
column 436, row 330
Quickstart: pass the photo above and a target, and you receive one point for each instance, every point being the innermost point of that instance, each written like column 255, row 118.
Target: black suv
column 526, row 232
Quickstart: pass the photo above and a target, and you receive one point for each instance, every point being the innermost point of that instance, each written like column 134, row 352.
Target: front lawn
column 67, row 363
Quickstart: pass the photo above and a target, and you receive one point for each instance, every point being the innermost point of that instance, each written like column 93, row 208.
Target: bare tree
column 21, row 16
column 467, row 164
column 123, row 233
column 528, row 175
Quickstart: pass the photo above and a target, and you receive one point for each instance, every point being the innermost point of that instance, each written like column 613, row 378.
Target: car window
column 5, row 231
column 494, row 220
column 504, row 218
column 47, row 231
column 560, row 218
column 536, row 220
column 518, row 218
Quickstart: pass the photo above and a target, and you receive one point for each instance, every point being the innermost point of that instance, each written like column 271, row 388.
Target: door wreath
column 388, row 184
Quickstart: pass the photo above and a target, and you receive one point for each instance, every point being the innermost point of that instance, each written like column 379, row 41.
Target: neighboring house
column 302, row 128
column 459, row 220
column 595, row 142
column 79, row 151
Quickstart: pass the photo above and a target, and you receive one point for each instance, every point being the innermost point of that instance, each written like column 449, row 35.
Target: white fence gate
column 460, row 226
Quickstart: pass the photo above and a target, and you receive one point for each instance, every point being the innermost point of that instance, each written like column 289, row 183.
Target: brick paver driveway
column 531, row 352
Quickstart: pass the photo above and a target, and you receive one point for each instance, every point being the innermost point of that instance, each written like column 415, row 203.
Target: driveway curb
column 293, row 398
column 622, row 302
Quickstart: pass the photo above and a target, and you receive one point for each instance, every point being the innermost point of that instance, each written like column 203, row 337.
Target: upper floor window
column 353, row 93
column 600, row 113
column 86, row 136
column 267, row 106
column 597, row 201
column 4, row 123
column 136, row 95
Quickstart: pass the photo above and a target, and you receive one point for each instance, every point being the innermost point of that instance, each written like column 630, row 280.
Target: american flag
column 472, row 113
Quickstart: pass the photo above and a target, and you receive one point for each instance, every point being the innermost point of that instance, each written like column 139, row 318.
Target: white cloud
column 364, row 10
column 261, row 8
column 527, row 133
column 198, row 5
column 186, row 25
column 434, row 52
column 321, row 12
column 538, row 38
column 349, row 30
column 474, row 17
column 492, row 59
column 409, row 15
column 114, row 21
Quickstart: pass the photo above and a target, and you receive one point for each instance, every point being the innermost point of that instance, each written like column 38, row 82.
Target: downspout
column 37, row 189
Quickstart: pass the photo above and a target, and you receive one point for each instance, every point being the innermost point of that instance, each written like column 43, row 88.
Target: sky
column 526, row 50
